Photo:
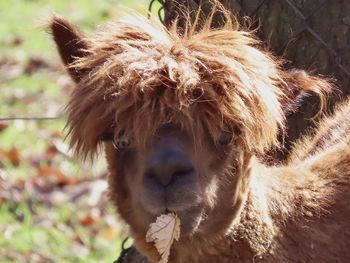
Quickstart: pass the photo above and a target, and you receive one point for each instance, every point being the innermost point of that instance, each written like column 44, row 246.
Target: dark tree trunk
column 311, row 34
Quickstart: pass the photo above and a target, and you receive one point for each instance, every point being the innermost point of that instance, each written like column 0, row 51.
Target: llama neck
column 256, row 227
column 278, row 196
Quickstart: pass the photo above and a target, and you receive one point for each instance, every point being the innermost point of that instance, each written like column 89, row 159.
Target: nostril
column 153, row 180
column 183, row 172
column 150, row 175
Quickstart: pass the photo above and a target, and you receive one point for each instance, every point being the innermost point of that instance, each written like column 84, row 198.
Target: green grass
column 28, row 225
column 55, row 238
column 25, row 18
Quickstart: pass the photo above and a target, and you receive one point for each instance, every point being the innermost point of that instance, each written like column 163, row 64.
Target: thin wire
column 336, row 56
column 332, row 51
column 31, row 118
column 150, row 6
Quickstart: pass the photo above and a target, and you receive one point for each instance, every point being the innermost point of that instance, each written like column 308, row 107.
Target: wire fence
column 306, row 27
column 307, row 33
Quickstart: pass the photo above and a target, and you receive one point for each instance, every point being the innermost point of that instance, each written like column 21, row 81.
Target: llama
column 185, row 118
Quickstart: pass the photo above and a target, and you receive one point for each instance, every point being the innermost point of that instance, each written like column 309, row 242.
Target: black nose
column 167, row 165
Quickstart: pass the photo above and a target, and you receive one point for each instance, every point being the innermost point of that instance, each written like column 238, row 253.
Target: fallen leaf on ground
column 163, row 232
column 109, row 233
column 87, row 220
column 58, row 176
column 12, row 155
column 15, row 41
column 3, row 126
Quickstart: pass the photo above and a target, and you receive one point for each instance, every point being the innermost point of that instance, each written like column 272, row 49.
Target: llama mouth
column 189, row 220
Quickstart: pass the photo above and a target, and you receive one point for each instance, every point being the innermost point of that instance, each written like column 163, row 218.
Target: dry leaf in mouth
column 162, row 233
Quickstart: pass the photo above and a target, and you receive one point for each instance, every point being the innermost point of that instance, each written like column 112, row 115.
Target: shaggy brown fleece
column 137, row 75
column 219, row 77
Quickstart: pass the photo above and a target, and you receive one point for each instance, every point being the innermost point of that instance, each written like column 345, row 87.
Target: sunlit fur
column 143, row 76
column 216, row 77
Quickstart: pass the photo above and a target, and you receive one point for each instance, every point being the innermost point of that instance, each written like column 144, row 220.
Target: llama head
column 179, row 115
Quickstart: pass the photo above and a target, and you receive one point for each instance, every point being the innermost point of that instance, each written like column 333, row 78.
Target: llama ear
column 299, row 85
column 70, row 44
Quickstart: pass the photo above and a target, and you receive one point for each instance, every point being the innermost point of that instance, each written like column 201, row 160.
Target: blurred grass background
column 52, row 208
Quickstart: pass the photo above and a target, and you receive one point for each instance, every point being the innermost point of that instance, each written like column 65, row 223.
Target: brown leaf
column 109, row 233
column 3, row 126
column 51, row 151
column 163, row 232
column 34, row 64
column 12, row 155
column 47, row 170
column 78, row 240
column 15, row 41
column 87, row 220
column 48, row 178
